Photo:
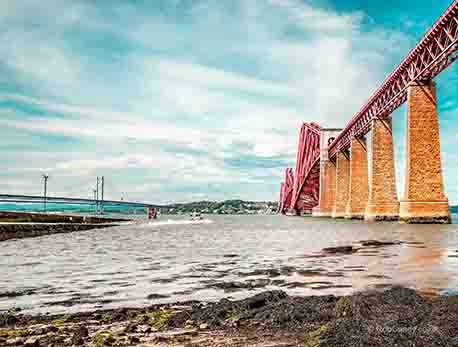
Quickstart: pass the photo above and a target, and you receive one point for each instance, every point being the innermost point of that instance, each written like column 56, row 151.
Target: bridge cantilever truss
column 286, row 191
column 299, row 192
column 435, row 52
column 306, row 185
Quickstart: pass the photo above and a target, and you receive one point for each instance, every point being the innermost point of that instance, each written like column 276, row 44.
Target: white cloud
column 218, row 79
column 318, row 20
column 222, row 73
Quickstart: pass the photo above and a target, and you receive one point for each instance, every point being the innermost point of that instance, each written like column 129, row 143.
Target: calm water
column 231, row 256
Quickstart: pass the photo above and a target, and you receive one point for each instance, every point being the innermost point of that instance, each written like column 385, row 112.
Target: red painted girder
column 286, row 190
column 434, row 52
column 309, row 194
column 308, row 150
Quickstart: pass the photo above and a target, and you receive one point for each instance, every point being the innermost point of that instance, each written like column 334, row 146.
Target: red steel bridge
column 434, row 53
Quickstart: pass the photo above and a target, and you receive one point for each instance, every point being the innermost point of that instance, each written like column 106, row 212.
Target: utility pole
column 103, row 190
column 45, row 182
column 95, row 200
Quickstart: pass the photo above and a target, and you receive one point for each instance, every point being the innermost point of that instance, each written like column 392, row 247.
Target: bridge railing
column 435, row 52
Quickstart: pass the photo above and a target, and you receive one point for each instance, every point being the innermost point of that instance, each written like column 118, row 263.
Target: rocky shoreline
column 19, row 225
column 21, row 231
column 394, row 317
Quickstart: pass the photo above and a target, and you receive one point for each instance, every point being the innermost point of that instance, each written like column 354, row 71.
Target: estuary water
column 173, row 260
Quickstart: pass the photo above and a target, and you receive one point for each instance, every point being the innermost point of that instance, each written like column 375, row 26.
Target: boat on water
column 152, row 213
column 195, row 216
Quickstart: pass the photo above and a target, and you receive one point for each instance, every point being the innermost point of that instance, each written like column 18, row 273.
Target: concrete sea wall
column 29, row 217
column 19, row 231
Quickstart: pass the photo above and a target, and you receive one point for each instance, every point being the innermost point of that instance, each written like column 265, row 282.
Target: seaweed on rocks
column 7, row 319
column 378, row 318
column 273, row 308
column 395, row 317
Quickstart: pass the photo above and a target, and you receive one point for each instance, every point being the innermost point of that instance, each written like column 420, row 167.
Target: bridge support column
column 359, row 180
column 383, row 203
column 424, row 200
column 327, row 190
column 342, row 184
column 327, row 176
column 328, row 196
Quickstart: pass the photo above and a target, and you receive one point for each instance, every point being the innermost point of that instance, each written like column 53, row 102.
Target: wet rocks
column 312, row 272
column 294, row 312
column 133, row 340
column 156, row 296
column 397, row 303
column 339, row 250
column 236, row 286
column 350, row 249
column 218, row 313
column 344, row 307
column 32, row 342
column 103, row 338
column 375, row 243
column 131, row 328
column 79, row 335
column 394, row 317
column 377, row 318
column 314, row 338
column 177, row 336
column 7, row 319
column 15, row 341
column 273, row 308
column 261, row 272
column 15, row 294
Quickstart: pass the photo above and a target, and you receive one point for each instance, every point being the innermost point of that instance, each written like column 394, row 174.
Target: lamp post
column 45, row 190
column 95, row 200
column 103, row 192
column 97, row 196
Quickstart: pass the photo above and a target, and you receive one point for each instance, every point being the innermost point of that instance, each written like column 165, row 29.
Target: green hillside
column 222, row 207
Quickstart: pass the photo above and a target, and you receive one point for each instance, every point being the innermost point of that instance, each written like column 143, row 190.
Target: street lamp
column 103, row 192
column 95, row 200
column 97, row 196
column 45, row 182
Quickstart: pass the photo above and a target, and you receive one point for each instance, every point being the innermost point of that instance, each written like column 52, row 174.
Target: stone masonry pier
column 327, row 197
column 424, row 200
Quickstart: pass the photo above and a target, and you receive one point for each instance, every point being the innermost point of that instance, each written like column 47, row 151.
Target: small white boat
column 195, row 216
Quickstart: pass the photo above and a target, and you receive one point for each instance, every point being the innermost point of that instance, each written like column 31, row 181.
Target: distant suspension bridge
column 100, row 204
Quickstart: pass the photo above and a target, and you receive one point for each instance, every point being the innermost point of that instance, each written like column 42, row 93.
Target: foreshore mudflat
column 394, row 317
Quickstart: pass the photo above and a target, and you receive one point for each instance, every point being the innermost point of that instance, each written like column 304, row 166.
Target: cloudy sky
column 179, row 100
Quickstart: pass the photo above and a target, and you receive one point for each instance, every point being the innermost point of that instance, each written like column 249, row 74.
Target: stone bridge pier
column 327, row 196
column 348, row 191
column 383, row 201
column 358, row 191
column 424, row 200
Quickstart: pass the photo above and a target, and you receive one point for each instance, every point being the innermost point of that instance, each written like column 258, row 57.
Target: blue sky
column 179, row 100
